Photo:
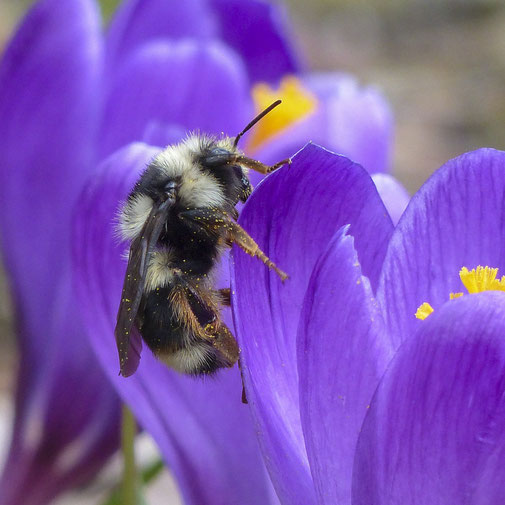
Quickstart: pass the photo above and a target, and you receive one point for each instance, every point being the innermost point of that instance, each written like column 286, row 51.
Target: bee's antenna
column 260, row 116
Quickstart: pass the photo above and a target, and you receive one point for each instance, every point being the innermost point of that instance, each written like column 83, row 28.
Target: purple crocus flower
column 69, row 97
column 355, row 400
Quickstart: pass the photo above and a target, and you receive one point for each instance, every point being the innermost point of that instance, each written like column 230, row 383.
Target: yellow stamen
column 476, row 280
column 424, row 311
column 297, row 104
column 480, row 279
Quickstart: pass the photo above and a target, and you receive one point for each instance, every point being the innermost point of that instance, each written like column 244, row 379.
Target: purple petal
column 49, row 78
column 456, row 219
column 259, row 31
column 66, row 420
column 139, row 21
column 393, row 194
column 203, row 430
column 342, row 353
column 161, row 134
column 189, row 84
column 435, row 429
column 350, row 120
column 292, row 215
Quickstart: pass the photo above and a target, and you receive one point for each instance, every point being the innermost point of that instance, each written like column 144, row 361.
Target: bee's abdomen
column 172, row 341
column 197, row 359
column 161, row 329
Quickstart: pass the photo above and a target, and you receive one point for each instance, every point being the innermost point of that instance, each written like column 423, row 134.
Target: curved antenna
column 260, row 116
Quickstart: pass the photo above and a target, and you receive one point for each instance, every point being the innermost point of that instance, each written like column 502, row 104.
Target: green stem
column 129, row 486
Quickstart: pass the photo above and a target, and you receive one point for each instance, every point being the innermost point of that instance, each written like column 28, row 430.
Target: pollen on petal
column 297, row 104
column 455, row 295
column 424, row 311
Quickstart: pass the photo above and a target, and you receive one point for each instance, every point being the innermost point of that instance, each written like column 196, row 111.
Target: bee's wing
column 129, row 356
column 128, row 339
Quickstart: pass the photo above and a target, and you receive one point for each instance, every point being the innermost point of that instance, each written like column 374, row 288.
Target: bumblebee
column 180, row 217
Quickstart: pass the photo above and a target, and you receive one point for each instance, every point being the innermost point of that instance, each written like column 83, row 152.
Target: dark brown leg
column 211, row 220
column 225, row 296
column 231, row 158
column 240, row 237
column 257, row 166
column 223, row 340
column 279, row 164
column 244, row 396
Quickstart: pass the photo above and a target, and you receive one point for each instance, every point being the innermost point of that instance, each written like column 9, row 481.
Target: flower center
column 297, row 104
column 475, row 281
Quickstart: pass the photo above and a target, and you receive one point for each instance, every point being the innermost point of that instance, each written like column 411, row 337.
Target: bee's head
column 232, row 177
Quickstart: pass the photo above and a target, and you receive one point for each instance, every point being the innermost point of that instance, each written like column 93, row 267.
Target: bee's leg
column 212, row 222
column 224, row 295
column 206, row 220
column 218, row 157
column 239, row 236
column 259, row 167
column 223, row 340
column 183, row 311
column 279, row 164
column 244, row 396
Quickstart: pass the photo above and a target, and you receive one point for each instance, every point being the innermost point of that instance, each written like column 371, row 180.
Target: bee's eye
column 170, row 186
column 219, row 151
column 169, row 189
column 238, row 172
column 217, row 157
column 241, row 176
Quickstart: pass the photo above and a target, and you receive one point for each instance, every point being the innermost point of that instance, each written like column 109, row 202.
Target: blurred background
column 440, row 63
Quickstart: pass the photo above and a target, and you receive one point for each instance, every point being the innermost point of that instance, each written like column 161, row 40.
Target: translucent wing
column 128, row 339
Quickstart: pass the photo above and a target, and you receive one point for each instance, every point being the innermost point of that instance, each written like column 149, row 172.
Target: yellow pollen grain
column 455, row 295
column 424, row 311
column 297, row 104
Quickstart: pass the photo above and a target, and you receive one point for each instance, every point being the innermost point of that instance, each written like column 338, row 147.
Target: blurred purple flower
column 66, row 418
column 340, row 420
column 61, row 110
column 338, row 114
